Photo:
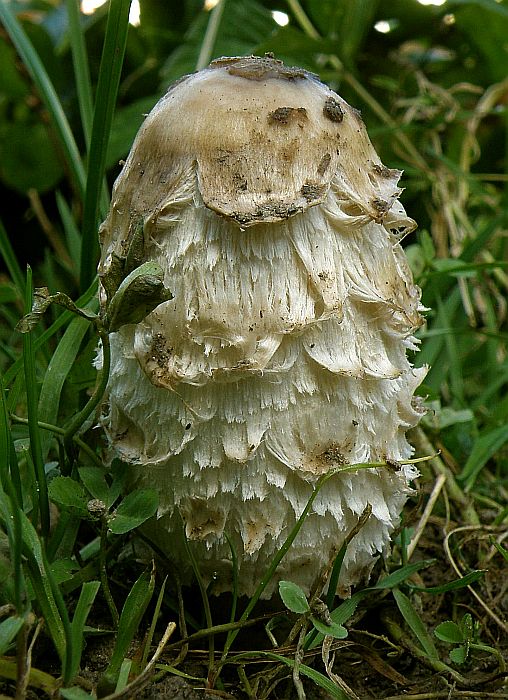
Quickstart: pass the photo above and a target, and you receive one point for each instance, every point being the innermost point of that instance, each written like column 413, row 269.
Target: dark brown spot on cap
column 324, row 163
column 333, row 111
column 283, row 115
column 312, row 191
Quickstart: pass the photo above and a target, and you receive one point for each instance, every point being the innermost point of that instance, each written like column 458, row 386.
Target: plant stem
column 32, row 407
column 303, row 20
column 207, row 46
column 61, row 431
column 86, row 411
column 103, row 572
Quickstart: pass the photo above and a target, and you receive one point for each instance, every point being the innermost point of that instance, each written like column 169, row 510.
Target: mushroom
column 254, row 188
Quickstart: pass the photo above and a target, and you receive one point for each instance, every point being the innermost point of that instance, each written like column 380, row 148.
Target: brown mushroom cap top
column 266, row 142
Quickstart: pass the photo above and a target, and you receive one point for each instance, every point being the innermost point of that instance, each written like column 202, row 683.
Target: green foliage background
column 432, row 85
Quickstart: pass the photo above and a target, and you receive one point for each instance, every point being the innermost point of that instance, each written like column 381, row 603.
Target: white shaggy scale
column 283, row 351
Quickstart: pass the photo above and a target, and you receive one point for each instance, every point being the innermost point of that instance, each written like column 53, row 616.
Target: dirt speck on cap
column 333, row 111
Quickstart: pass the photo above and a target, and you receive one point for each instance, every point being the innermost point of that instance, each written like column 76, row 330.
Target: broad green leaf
column 449, row 632
column 9, row 628
column 414, row 621
column 135, row 508
column 486, row 25
column 293, row 597
column 120, row 473
column 95, row 481
column 458, row 655
column 63, row 569
column 68, row 493
column 333, row 630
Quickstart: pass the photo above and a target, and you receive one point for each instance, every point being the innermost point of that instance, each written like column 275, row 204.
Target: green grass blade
column 59, row 367
column 10, row 260
column 234, row 563
column 204, row 598
column 38, row 73
column 455, row 365
column 466, row 580
column 65, row 622
column 334, row 576
column 400, row 575
column 123, row 676
column 72, row 234
column 81, row 69
column 487, row 444
column 76, row 693
column 151, row 631
column 11, row 517
column 32, row 410
column 40, row 576
column 107, row 90
column 85, row 602
column 132, row 612
column 414, row 621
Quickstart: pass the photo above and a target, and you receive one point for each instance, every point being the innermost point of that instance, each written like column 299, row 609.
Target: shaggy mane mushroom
column 254, row 188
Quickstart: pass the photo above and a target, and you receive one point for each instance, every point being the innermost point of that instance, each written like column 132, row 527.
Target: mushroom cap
column 265, row 140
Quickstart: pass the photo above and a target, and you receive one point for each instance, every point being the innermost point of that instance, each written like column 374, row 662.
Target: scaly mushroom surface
column 282, row 352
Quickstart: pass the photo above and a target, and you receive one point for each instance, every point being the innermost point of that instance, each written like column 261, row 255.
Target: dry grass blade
column 471, row 528
column 438, row 485
column 143, row 679
column 328, row 663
